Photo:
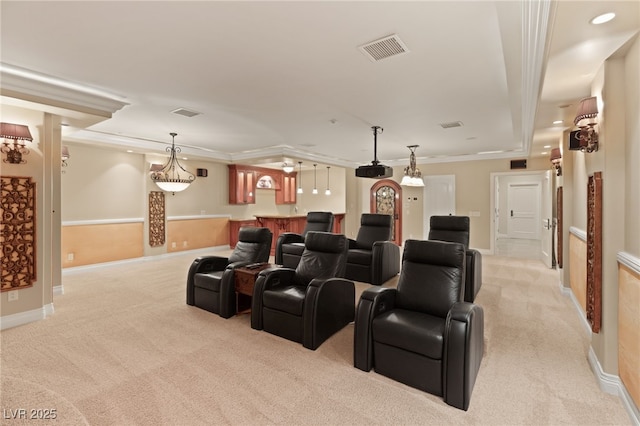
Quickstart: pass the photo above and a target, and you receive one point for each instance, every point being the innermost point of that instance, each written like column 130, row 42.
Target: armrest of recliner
column 329, row 305
column 473, row 280
column 267, row 279
column 385, row 261
column 463, row 352
column 203, row 264
column 373, row 301
column 286, row 238
column 352, row 244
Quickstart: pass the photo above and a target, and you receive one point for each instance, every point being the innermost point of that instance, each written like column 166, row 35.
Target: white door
column 524, row 206
column 439, row 198
column 546, row 225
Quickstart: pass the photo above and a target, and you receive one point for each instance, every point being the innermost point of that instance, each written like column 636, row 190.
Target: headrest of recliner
column 449, row 223
column 323, row 217
column 374, row 219
column 325, row 242
column 250, row 234
column 441, row 253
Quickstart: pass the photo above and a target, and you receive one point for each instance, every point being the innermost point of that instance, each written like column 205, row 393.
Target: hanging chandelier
column 327, row 191
column 172, row 177
column 412, row 175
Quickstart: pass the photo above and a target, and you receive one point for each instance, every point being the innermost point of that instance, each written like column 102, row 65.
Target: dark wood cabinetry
column 242, row 185
column 243, row 181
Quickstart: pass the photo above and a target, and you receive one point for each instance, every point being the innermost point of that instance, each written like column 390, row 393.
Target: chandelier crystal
column 172, row 177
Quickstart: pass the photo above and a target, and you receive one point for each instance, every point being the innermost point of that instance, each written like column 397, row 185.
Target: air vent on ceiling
column 451, row 124
column 384, row 48
column 185, row 112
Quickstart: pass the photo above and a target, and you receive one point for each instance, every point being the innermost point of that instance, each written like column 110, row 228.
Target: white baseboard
column 58, row 290
column 22, row 318
column 608, row 383
column 612, row 384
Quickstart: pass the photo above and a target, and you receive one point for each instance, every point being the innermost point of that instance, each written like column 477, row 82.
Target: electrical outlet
column 70, row 257
column 173, row 244
column 184, row 244
column 12, row 295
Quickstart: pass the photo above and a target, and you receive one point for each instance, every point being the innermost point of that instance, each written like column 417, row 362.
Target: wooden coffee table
column 245, row 279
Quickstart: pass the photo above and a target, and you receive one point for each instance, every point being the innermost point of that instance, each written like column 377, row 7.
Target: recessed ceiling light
column 557, row 122
column 129, row 150
column 547, row 146
column 544, row 153
column 601, row 19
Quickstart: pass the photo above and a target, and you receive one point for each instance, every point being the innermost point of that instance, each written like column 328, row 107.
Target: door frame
column 397, row 207
column 493, row 207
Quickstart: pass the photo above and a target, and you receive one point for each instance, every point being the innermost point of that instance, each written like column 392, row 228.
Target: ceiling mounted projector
column 375, row 170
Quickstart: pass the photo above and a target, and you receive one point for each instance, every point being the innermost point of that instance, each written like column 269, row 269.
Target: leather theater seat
column 456, row 229
column 289, row 246
column 372, row 257
column 422, row 333
column 310, row 303
column 210, row 280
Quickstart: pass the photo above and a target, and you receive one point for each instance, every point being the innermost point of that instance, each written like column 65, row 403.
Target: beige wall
column 106, row 186
column 43, row 170
column 632, row 149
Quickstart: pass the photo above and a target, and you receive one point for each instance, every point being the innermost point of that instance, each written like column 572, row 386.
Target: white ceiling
column 277, row 81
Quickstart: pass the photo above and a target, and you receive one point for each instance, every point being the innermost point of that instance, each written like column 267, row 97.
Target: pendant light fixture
column 412, row 175
column 287, row 168
column 327, row 191
column 300, row 177
column 172, row 177
column 315, row 180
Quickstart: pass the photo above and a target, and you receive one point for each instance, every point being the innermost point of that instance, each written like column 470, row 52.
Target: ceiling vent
column 384, row 48
column 185, row 112
column 451, row 124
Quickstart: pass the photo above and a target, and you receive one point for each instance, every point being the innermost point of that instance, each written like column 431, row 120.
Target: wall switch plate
column 12, row 295
column 70, row 256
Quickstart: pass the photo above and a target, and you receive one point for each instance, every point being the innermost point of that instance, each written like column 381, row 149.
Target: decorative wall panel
column 18, row 232
column 594, row 251
column 559, row 226
column 156, row 219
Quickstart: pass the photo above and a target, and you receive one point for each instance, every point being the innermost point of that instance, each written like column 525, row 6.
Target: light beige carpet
column 123, row 348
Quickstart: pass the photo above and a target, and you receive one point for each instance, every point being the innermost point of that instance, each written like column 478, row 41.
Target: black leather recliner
column 456, row 229
column 310, row 303
column 210, row 281
column 423, row 334
column 372, row 257
column 289, row 246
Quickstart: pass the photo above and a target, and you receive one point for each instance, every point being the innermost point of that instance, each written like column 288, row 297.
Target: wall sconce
column 587, row 136
column 19, row 133
column 556, row 161
column 65, row 155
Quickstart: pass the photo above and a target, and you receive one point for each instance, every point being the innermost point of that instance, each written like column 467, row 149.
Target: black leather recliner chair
column 423, row 334
column 210, row 281
column 456, row 229
column 289, row 246
column 310, row 303
column 372, row 257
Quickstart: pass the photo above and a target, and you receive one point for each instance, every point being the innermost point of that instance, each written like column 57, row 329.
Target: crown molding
column 32, row 86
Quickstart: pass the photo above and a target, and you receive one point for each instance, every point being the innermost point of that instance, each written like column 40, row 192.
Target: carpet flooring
column 123, row 348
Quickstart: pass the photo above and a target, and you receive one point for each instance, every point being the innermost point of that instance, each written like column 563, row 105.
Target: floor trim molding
column 22, row 318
